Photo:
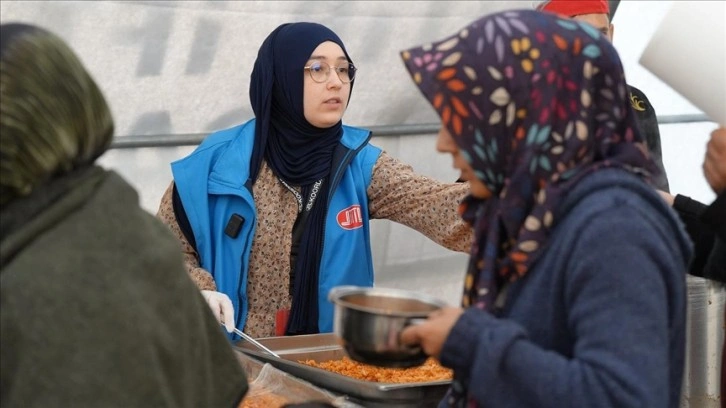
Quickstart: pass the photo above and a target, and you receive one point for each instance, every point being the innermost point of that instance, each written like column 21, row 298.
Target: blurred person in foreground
column 597, row 13
column 575, row 292
column 97, row 309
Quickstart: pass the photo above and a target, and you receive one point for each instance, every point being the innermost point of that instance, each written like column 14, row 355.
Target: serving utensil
column 254, row 342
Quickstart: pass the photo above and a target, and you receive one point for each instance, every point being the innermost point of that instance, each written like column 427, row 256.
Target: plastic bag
column 273, row 388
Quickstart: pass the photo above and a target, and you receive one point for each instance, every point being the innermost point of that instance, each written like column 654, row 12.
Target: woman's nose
column 445, row 143
column 333, row 80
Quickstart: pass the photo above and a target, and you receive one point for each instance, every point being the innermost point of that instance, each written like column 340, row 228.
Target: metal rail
column 193, row 139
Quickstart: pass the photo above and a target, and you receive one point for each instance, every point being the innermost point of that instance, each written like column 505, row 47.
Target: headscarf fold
column 297, row 152
column 535, row 103
column 53, row 118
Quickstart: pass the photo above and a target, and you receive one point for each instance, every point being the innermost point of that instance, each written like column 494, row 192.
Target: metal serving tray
column 324, row 347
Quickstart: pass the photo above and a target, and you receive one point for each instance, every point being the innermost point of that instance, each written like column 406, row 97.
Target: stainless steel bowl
column 368, row 323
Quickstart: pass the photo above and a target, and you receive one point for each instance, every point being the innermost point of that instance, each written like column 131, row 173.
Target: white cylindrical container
column 704, row 343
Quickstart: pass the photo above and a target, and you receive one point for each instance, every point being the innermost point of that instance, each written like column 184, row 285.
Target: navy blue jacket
column 599, row 321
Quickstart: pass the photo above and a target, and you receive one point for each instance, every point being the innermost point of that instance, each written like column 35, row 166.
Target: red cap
column 571, row 8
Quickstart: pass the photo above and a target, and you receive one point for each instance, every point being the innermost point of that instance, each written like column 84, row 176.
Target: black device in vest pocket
column 234, row 225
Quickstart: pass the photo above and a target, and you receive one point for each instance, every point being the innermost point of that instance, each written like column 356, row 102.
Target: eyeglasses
column 320, row 71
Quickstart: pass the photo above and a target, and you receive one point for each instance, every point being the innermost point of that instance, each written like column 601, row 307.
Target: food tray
column 324, row 347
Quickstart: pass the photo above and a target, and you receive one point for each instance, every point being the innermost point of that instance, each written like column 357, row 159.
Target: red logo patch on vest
column 350, row 218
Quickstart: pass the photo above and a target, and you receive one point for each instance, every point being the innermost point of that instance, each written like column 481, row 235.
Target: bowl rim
column 337, row 293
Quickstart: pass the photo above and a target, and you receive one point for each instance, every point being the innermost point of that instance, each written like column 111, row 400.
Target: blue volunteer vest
column 211, row 185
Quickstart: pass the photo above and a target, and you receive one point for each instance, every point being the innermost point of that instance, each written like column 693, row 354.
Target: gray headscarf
column 53, row 117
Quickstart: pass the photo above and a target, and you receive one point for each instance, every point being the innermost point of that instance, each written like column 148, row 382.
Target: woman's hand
column 714, row 164
column 432, row 333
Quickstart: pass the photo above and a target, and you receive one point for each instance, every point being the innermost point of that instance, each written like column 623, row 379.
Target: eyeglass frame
column 330, row 68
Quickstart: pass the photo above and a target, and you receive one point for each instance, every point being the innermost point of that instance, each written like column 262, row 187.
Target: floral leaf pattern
column 591, row 51
column 589, row 29
column 567, row 24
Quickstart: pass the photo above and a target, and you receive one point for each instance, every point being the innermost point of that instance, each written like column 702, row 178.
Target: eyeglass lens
column 320, row 70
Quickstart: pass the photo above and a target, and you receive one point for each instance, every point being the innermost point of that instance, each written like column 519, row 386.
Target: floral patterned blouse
column 396, row 193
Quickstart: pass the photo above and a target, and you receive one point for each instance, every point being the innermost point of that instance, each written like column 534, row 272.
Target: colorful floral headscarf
column 534, row 102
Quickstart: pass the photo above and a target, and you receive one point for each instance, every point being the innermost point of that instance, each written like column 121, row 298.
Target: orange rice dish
column 263, row 401
column 431, row 370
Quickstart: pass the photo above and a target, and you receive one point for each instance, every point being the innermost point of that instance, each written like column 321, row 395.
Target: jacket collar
column 232, row 168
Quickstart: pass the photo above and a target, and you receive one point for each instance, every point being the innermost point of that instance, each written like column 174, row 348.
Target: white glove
column 221, row 307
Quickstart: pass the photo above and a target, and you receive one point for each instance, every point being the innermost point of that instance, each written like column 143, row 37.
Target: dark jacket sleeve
column 706, row 226
column 715, row 217
column 702, row 236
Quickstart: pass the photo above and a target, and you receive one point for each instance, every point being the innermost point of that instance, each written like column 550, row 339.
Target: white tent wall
column 183, row 67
